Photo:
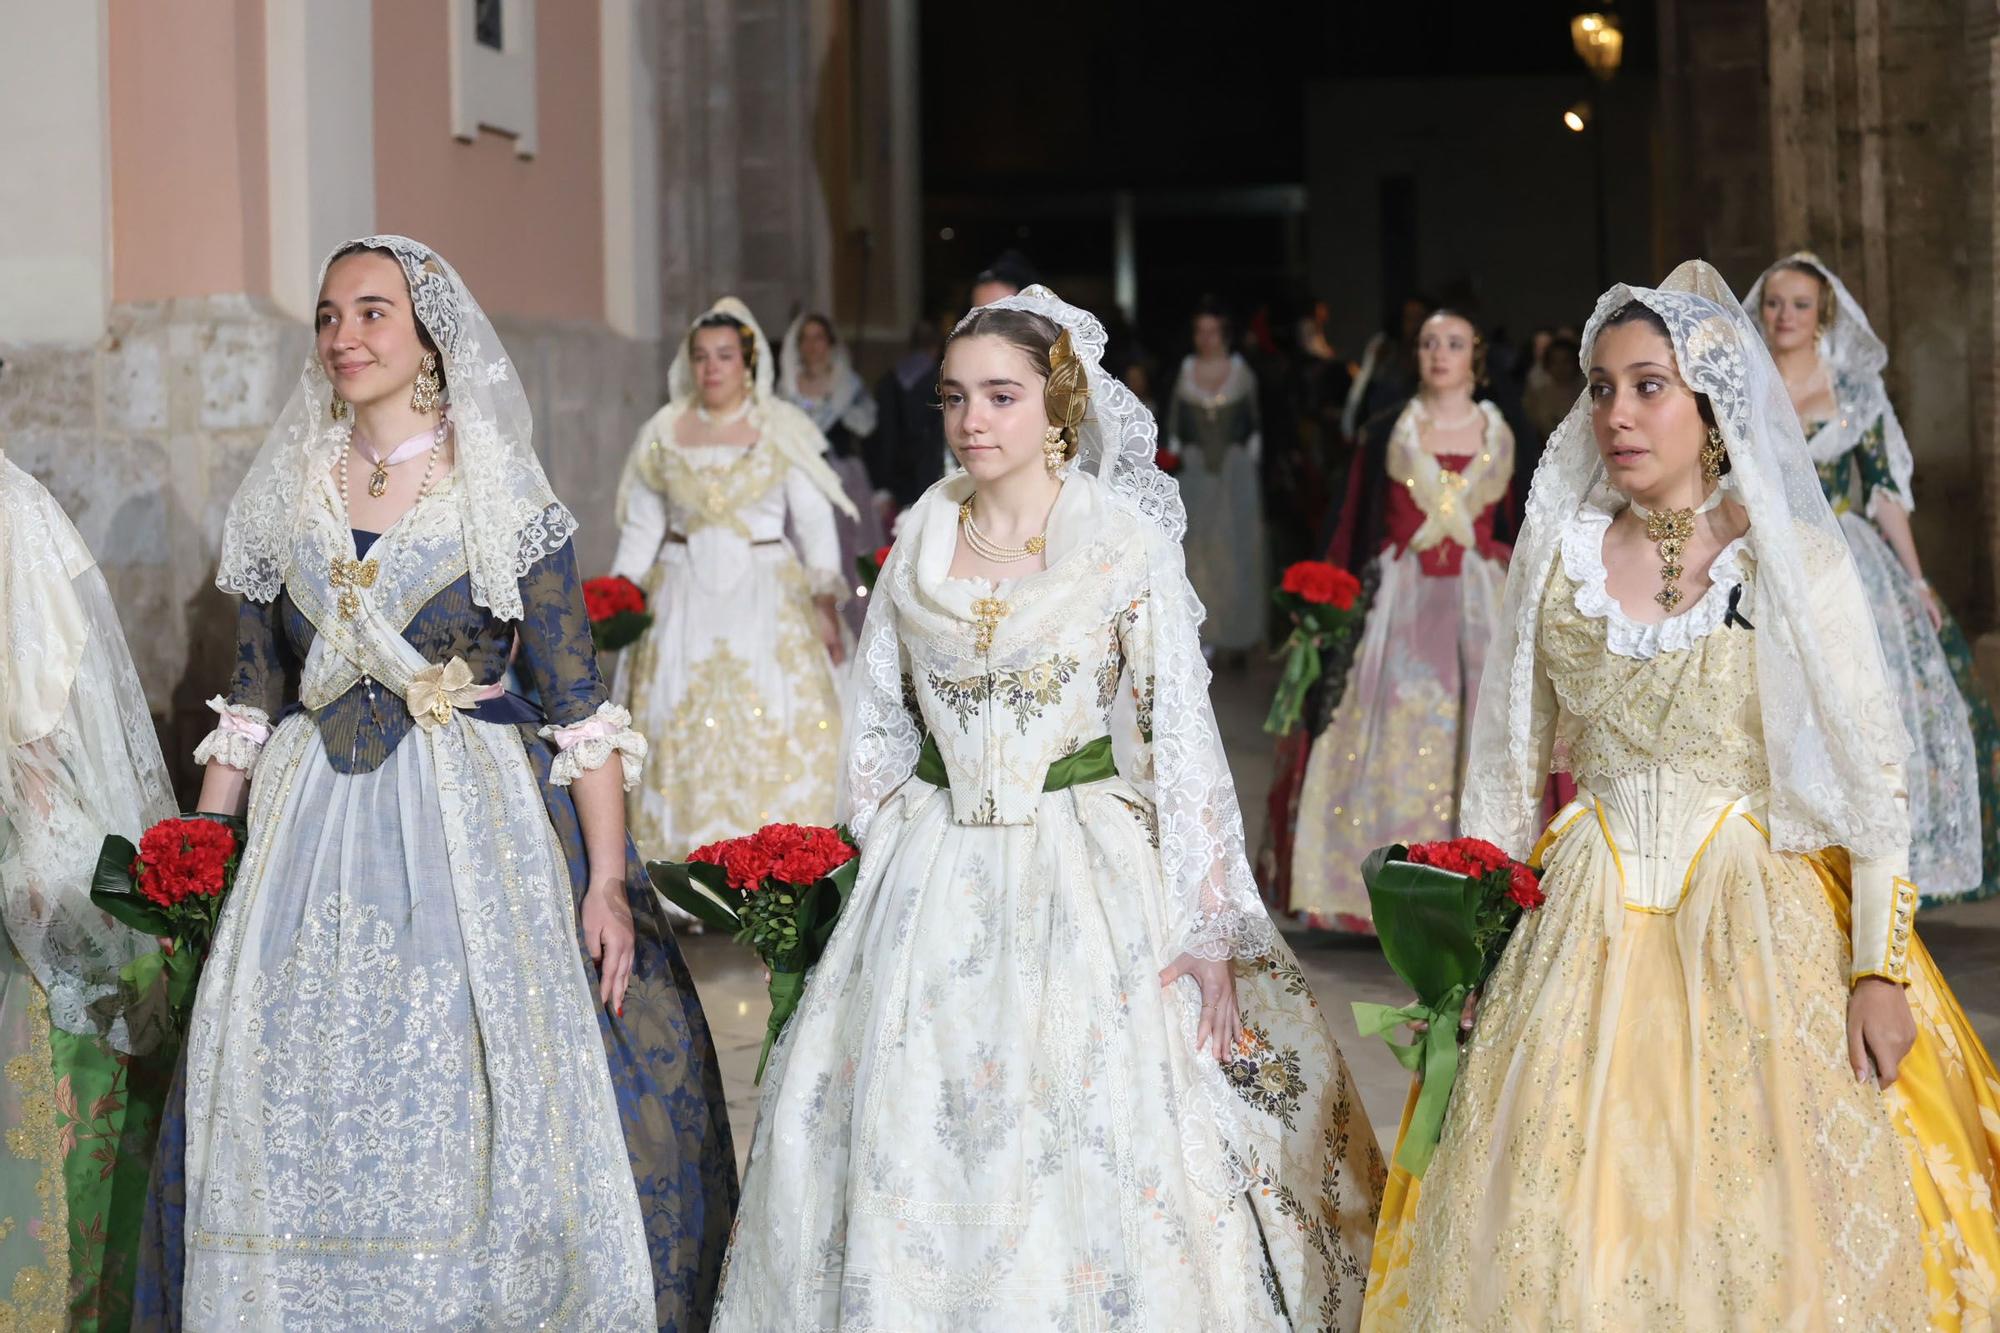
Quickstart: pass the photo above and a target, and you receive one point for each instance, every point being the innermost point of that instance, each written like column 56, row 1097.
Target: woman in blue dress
column 405, row 1101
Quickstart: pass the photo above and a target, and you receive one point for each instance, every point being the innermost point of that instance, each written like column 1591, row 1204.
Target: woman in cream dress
column 1055, row 1069
column 1714, row 1083
column 733, row 686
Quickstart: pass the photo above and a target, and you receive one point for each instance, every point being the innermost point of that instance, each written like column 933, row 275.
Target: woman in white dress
column 1214, row 424
column 85, row 1070
column 733, row 686
column 816, row 375
column 1055, row 1069
column 1832, row 364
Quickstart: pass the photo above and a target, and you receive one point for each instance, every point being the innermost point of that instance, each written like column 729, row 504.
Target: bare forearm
column 600, row 809
column 225, row 790
column 1895, row 526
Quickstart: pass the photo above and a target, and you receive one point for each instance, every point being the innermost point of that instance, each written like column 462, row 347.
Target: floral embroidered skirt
column 987, row 1115
column 1656, row 1126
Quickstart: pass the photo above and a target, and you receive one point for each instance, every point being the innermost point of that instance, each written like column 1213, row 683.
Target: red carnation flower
column 1322, row 584
column 1525, row 888
column 881, row 556
column 183, row 858
column 1167, row 461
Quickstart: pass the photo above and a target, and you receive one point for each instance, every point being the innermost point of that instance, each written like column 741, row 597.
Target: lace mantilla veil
column 1213, row 904
column 1831, row 729
column 512, row 517
column 1852, row 351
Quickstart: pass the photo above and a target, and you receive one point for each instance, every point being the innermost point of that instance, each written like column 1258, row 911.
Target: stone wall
column 144, row 435
column 1865, row 131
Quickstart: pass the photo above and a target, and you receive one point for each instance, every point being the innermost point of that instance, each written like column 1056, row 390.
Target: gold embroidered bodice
column 1692, row 707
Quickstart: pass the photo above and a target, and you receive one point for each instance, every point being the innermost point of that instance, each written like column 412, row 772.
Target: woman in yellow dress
column 726, row 518
column 1715, row 1083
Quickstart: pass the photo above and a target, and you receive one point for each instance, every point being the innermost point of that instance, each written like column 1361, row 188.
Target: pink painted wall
column 190, row 193
column 526, row 233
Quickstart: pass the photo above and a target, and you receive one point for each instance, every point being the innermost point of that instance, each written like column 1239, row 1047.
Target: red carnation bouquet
column 778, row 890
column 1320, row 598
column 171, row 887
column 1443, row 912
column 617, row 610
column 869, row 566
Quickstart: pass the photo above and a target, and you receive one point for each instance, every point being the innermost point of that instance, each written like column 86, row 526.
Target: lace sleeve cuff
column 829, row 583
column 237, row 739
column 585, row 747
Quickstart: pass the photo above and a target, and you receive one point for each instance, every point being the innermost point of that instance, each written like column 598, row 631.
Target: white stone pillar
column 55, row 173
column 320, row 102
column 631, row 171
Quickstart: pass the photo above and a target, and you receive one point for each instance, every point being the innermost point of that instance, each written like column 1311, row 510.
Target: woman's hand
column 1880, row 1029
column 829, row 630
column 1932, row 607
column 1467, row 1014
column 1221, row 1023
column 608, row 934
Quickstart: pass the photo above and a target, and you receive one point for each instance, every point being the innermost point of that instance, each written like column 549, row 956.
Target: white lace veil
column 512, row 517
column 78, row 760
column 1213, row 903
column 1831, row 728
column 1855, row 353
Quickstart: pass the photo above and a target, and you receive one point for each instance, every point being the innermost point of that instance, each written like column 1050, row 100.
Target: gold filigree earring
column 424, row 394
column 336, row 408
column 1054, row 452
column 1713, row 455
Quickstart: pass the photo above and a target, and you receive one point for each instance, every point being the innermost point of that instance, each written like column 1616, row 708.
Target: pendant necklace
column 378, row 480
column 1670, row 529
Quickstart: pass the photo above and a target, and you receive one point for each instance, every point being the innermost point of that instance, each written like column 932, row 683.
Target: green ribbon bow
column 1433, row 1058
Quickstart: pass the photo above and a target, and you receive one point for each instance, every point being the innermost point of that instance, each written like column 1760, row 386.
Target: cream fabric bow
column 436, row 692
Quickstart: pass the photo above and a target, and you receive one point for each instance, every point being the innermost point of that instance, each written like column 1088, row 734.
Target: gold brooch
column 348, row 575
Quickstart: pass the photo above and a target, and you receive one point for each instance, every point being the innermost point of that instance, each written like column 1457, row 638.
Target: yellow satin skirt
column 1655, row 1126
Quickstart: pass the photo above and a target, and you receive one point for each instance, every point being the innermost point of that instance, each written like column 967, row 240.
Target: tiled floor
column 1965, row 941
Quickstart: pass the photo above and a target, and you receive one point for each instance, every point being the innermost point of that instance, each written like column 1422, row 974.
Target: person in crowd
column 1832, row 363
column 1215, row 426
column 1422, row 524
column 816, row 375
column 733, row 685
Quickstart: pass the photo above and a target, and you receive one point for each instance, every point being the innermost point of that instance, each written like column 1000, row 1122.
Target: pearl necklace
column 1670, row 530
column 988, row 549
column 1426, row 418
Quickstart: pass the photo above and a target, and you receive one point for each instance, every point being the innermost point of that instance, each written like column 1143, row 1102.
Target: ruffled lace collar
column 1583, row 563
